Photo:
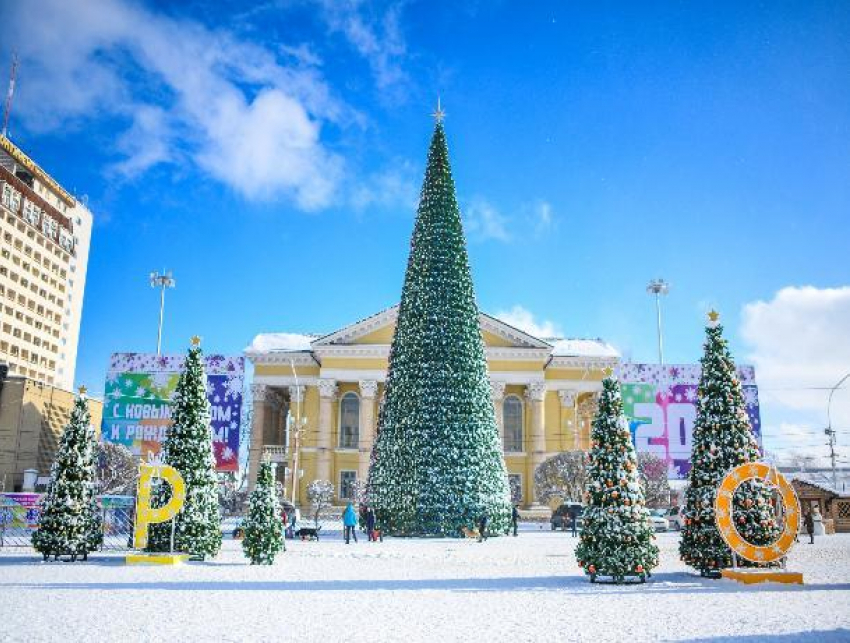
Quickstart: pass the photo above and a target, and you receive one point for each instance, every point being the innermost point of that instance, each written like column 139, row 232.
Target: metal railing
column 18, row 522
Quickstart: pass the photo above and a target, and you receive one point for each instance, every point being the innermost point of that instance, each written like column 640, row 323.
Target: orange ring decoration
column 723, row 512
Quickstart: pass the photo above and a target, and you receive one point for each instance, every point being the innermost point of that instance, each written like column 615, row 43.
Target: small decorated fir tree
column 437, row 461
column 70, row 522
column 722, row 440
column 188, row 447
column 263, row 526
column 616, row 533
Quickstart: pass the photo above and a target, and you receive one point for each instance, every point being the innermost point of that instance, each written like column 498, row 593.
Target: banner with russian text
column 660, row 405
column 137, row 402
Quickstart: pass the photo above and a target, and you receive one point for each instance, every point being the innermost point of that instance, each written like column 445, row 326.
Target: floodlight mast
column 162, row 281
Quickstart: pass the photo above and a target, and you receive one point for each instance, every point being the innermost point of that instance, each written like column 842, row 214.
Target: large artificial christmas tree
column 70, row 522
column 263, row 527
column 188, row 447
column 437, row 461
column 722, row 440
column 616, row 533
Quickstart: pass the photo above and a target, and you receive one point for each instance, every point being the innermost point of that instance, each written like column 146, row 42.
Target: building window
column 347, row 484
column 515, row 482
column 349, row 421
column 512, row 417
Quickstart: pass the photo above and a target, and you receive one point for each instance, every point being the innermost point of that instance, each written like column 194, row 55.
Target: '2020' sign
column 659, row 402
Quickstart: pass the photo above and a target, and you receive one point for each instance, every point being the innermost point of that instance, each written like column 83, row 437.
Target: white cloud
column 542, row 217
column 521, row 318
column 800, row 345
column 248, row 116
column 394, row 187
column 483, row 221
column 375, row 32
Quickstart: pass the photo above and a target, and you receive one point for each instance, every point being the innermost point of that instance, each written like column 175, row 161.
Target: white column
column 497, row 392
column 327, row 394
column 568, row 399
column 258, row 421
column 587, row 409
column 535, row 393
column 293, row 440
column 368, row 392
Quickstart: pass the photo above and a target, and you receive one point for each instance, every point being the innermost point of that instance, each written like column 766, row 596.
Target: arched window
column 349, row 421
column 512, row 418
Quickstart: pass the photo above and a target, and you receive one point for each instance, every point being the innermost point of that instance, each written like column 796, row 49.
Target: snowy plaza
column 508, row 589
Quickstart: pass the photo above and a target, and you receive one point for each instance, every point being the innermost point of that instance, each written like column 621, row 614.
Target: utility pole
column 162, row 281
column 7, row 107
column 830, row 432
column 658, row 287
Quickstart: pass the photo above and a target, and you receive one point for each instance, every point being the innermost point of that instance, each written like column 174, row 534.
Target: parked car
column 676, row 518
column 561, row 516
column 658, row 519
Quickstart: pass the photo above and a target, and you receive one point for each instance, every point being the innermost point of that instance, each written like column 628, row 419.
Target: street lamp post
column 830, row 431
column 161, row 281
column 658, row 287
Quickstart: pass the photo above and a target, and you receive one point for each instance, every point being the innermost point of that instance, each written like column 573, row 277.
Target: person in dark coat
column 370, row 524
column 809, row 521
column 573, row 521
column 482, row 527
column 515, row 519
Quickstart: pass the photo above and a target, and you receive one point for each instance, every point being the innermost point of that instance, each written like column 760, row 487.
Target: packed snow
column 506, row 589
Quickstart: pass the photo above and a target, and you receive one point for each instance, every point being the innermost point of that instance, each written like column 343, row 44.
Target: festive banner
column 137, row 402
column 19, row 511
column 660, row 405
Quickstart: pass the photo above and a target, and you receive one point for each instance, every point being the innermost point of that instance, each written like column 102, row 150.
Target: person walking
column 809, row 521
column 349, row 521
column 515, row 519
column 370, row 524
column 482, row 527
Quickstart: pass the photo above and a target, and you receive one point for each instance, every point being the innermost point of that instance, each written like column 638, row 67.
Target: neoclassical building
column 544, row 394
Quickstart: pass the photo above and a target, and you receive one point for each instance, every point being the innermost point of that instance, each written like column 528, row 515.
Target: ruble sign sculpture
column 147, row 515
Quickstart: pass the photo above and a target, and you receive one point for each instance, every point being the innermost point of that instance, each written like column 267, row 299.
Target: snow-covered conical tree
column 616, row 534
column 70, row 522
column 263, row 526
column 722, row 440
column 437, row 460
column 188, row 447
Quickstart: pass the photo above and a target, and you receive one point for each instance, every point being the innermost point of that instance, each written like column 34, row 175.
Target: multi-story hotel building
column 544, row 394
column 44, row 247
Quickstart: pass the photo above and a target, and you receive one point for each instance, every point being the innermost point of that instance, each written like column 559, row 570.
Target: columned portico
column 542, row 396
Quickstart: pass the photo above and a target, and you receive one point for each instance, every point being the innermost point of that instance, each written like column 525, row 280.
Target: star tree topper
column 438, row 114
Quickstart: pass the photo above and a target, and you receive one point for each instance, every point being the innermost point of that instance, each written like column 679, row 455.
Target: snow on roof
column 269, row 342
column 823, row 480
column 581, row 348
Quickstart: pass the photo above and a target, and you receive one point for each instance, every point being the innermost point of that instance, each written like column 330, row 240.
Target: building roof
column 18, row 154
column 823, row 480
column 266, row 343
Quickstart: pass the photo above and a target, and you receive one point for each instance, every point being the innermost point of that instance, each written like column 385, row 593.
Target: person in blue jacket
column 349, row 520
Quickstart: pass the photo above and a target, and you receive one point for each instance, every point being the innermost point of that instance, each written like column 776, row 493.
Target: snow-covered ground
column 507, row 589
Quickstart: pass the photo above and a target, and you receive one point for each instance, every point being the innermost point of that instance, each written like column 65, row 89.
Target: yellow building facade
column 544, row 394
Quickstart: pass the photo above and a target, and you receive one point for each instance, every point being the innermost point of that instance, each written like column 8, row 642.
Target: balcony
column 276, row 453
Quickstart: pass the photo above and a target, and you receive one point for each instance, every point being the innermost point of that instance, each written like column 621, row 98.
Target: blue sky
column 271, row 159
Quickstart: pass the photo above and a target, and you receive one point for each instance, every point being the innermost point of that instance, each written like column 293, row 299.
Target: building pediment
column 378, row 329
